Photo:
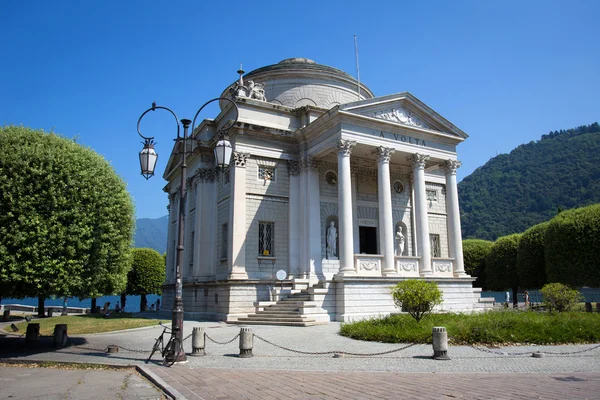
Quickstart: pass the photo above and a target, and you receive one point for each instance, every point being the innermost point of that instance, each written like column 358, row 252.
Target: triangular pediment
column 403, row 109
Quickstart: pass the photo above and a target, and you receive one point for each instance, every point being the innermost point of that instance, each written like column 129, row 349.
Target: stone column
column 454, row 231
column 237, row 217
column 346, row 250
column 197, row 188
column 294, row 219
column 355, row 231
column 386, row 222
column 207, row 223
column 313, row 214
column 418, row 162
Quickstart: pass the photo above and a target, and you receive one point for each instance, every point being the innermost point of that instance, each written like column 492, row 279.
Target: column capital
column 240, row 159
column 345, row 147
column 309, row 162
column 450, row 166
column 418, row 160
column 383, row 154
column 294, row 167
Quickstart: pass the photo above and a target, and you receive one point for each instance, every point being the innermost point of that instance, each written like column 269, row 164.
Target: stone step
column 271, row 317
column 281, row 323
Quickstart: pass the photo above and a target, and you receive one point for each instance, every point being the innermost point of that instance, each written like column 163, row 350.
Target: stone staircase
column 297, row 309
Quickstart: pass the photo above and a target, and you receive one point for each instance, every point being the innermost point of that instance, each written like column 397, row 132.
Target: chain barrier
column 216, row 342
column 334, row 352
column 571, row 352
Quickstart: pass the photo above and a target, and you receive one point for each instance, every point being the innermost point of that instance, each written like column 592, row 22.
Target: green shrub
column 416, row 297
column 474, row 253
column 531, row 264
column 559, row 297
column 571, row 247
column 501, row 264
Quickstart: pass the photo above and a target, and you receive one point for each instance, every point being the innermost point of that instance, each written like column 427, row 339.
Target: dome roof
column 297, row 82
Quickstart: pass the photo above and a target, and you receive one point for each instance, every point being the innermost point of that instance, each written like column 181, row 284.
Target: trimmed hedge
column 531, row 264
column 501, row 264
column 572, row 247
column 474, row 253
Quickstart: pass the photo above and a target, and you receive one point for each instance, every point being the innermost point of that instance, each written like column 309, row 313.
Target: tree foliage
column 572, row 247
column 559, row 297
column 531, row 264
column 515, row 191
column 501, row 264
column 474, row 253
column 66, row 219
column 417, row 297
column 147, row 273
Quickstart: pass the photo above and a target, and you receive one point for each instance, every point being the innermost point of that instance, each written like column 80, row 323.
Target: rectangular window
column 266, row 234
column 436, row 249
column 224, row 241
column 266, row 174
column 192, row 247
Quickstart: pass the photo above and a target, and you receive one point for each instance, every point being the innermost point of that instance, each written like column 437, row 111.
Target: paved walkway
column 275, row 371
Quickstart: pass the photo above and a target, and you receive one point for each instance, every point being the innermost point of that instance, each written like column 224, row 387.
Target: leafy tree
column 147, row 274
column 501, row 265
column 66, row 219
column 417, row 297
column 515, row 191
column 531, row 264
column 474, row 253
column 559, row 297
column 571, row 247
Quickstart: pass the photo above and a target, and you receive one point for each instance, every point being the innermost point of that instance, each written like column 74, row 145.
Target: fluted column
column 386, row 222
column 454, row 231
column 313, row 215
column 237, row 217
column 294, row 218
column 346, row 250
column 418, row 163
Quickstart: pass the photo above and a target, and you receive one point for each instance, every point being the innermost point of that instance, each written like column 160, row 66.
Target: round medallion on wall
column 398, row 187
column 331, row 177
column 281, row 274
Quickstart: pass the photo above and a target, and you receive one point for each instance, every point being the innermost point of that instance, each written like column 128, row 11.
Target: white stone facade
column 312, row 154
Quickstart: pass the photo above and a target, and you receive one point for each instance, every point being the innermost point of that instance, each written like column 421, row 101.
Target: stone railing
column 368, row 264
column 442, row 266
column 407, row 266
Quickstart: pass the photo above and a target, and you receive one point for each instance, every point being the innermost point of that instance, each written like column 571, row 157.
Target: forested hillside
column 515, row 191
column 152, row 233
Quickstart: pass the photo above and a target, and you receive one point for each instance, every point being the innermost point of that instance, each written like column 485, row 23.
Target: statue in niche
column 399, row 242
column 331, row 241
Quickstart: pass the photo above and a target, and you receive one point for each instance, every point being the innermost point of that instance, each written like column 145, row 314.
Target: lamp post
column 148, row 158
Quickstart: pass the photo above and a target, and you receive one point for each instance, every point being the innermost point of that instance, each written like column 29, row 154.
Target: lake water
column 589, row 294
column 132, row 305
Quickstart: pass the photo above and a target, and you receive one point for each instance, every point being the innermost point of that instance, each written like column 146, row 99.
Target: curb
column 157, row 381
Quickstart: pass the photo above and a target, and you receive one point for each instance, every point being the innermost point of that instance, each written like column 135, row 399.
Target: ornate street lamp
column 148, row 158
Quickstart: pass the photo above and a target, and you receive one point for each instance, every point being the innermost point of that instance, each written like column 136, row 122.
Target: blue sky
column 505, row 72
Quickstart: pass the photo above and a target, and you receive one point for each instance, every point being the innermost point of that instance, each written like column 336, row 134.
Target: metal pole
column 177, row 322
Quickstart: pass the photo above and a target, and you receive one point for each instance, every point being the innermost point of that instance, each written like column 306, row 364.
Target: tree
column 147, row 274
column 501, row 265
column 66, row 219
column 417, row 297
column 571, row 247
column 474, row 253
column 531, row 263
column 560, row 297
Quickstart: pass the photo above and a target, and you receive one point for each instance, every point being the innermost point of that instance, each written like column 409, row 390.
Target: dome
column 297, row 82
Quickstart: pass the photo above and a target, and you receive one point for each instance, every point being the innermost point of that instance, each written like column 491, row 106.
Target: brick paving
column 221, row 384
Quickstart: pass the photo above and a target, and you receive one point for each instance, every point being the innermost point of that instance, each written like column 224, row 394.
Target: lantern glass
column 148, row 158
column 223, row 152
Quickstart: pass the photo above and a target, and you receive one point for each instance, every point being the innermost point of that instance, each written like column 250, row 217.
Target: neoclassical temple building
column 345, row 192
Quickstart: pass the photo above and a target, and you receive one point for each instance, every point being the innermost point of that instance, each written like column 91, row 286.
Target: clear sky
column 505, row 72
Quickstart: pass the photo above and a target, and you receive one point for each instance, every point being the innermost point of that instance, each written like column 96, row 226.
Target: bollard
column 60, row 335
column 50, row 311
column 246, row 339
column 198, row 342
column 32, row 335
column 588, row 306
column 112, row 348
column 6, row 315
column 440, row 343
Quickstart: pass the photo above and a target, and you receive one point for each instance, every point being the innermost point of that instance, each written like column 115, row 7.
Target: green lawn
column 89, row 323
column 499, row 327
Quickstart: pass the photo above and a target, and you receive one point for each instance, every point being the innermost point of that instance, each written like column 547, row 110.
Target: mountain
column 152, row 233
column 515, row 191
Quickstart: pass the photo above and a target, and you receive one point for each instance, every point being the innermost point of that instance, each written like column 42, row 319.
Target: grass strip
column 493, row 327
